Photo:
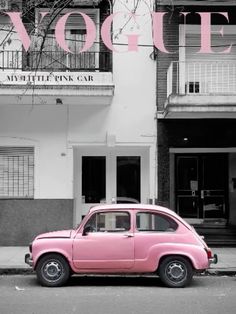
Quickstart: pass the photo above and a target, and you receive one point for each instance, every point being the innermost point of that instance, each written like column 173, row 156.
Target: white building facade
column 75, row 129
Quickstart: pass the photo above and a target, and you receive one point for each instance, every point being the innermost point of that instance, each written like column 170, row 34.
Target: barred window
column 16, row 172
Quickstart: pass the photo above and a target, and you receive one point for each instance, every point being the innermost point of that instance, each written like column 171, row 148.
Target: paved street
column 113, row 295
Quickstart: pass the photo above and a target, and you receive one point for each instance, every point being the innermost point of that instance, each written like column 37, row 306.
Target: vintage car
column 122, row 239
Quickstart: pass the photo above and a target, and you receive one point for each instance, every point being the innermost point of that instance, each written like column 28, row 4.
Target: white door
column 110, row 175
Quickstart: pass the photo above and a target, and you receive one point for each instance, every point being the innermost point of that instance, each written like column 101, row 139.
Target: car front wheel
column 52, row 270
column 175, row 271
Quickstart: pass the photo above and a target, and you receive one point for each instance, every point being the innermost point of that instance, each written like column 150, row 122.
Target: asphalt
column 12, row 261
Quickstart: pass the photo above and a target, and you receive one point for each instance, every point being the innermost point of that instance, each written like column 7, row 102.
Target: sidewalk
column 12, row 261
column 226, row 261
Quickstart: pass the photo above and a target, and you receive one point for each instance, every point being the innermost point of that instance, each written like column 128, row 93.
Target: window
column 155, row 222
column 128, row 179
column 93, row 179
column 109, row 222
column 16, row 172
column 53, row 57
column 193, row 88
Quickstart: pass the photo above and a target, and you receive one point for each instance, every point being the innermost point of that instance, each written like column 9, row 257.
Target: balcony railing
column 55, row 61
column 201, row 78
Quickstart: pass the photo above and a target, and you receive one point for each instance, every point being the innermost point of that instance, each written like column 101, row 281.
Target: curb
column 221, row 272
column 16, row 271
column 30, row 271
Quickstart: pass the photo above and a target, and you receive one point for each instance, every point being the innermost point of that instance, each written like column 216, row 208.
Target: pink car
column 122, row 238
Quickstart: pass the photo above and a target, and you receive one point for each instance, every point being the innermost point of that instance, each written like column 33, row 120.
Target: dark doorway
column 201, row 187
column 128, row 179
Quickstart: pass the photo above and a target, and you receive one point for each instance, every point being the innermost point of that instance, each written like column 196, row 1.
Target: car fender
column 45, row 246
column 196, row 254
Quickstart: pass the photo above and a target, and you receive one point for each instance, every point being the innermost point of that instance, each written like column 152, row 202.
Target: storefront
column 198, row 159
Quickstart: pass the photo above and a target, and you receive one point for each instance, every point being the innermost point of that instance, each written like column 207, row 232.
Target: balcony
column 83, row 79
column 55, row 61
column 201, row 88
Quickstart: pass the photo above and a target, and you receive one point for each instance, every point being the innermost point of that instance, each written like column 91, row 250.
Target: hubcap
column 176, row 271
column 52, row 270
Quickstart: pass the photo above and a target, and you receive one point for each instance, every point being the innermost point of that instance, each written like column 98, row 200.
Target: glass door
column 110, row 176
column 187, row 186
column 128, row 174
column 201, row 185
column 93, row 179
column 214, row 186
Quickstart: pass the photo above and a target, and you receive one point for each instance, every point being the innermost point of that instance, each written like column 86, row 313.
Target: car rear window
column 155, row 222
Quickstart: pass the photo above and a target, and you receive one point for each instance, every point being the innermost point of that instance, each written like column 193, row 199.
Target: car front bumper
column 28, row 259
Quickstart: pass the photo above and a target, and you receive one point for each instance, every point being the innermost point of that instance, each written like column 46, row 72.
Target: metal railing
column 201, row 78
column 56, row 61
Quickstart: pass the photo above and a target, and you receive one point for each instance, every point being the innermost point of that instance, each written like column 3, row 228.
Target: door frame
column 196, row 152
column 81, row 209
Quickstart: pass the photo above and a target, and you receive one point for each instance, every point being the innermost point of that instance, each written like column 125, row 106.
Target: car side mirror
column 86, row 230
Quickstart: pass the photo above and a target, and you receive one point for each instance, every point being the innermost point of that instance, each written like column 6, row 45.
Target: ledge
column 72, row 88
column 200, row 106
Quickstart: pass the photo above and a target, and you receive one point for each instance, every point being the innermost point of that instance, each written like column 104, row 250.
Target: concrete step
column 223, row 236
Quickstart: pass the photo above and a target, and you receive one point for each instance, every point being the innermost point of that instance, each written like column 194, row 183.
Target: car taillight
column 209, row 253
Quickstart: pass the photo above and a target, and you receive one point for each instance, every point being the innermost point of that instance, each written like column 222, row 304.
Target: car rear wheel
column 52, row 270
column 175, row 271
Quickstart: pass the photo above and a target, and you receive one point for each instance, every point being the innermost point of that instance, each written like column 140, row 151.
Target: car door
column 106, row 242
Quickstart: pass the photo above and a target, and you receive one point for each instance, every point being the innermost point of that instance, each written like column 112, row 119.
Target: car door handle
column 202, row 194
column 128, row 235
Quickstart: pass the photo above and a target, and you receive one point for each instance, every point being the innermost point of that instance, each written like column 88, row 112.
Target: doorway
column 201, row 185
column 110, row 175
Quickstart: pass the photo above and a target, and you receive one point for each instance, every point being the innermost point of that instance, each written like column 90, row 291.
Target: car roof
column 142, row 207
column 130, row 206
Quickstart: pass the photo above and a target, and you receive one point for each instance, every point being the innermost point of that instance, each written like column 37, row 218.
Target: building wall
column 202, row 133
column 52, row 209
column 54, row 130
column 171, row 40
column 22, row 220
column 43, row 127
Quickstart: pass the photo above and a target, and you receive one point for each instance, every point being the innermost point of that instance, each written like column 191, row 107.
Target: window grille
column 16, row 172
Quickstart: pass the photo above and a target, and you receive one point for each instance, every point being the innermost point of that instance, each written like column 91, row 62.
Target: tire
column 52, row 270
column 175, row 271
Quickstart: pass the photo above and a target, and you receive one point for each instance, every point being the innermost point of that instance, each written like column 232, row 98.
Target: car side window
column 109, row 222
column 155, row 222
